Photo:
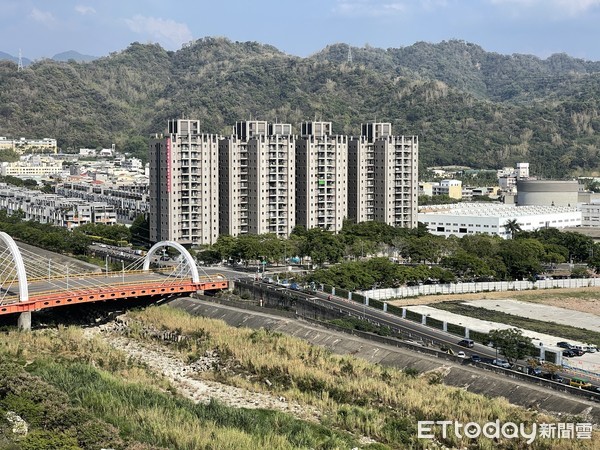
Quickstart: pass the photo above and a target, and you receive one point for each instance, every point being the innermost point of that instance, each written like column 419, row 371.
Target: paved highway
column 417, row 331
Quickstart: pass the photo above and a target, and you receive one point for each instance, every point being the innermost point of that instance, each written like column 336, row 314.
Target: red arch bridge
column 32, row 282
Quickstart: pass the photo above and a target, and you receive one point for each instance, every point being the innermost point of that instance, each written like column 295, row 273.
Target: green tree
column 140, row 230
column 137, row 147
column 511, row 343
column 512, row 227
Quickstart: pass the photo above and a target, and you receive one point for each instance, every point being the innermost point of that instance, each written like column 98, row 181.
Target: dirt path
column 163, row 361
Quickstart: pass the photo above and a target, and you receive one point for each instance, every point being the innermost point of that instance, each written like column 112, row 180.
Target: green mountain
column 468, row 106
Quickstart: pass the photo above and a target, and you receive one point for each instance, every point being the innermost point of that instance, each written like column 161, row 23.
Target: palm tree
column 512, row 227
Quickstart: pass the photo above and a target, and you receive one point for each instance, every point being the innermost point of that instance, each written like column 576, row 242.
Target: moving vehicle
column 475, row 358
column 501, row 363
column 466, row 343
column 461, row 354
column 553, row 377
column 535, row 371
column 580, row 383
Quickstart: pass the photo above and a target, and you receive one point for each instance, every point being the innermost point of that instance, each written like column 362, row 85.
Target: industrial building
column 463, row 219
column 547, row 192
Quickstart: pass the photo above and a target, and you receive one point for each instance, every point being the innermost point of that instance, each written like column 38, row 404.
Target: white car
column 461, row 354
column 501, row 363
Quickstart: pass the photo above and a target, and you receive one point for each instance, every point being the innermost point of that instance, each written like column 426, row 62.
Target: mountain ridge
column 466, row 105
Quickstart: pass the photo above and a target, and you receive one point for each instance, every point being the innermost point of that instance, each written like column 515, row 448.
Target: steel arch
column 18, row 259
column 188, row 258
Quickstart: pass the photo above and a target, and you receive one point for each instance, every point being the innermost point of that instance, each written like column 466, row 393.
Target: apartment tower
column 396, row 174
column 257, row 179
column 321, row 177
column 184, row 202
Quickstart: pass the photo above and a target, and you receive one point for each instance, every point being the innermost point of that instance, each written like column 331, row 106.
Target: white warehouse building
column 471, row 218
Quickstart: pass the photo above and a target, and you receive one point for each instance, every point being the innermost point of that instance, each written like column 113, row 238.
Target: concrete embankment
column 471, row 378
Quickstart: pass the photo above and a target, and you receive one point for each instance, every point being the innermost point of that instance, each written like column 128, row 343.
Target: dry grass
column 354, row 395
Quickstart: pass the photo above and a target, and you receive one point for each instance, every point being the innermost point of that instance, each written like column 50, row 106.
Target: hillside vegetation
column 468, row 106
column 76, row 391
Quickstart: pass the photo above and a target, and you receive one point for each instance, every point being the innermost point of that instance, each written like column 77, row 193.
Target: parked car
column 580, row 383
column 568, row 353
column 535, row 371
column 466, row 343
column 475, row 358
column 590, row 349
column 461, row 354
column 553, row 377
column 501, row 363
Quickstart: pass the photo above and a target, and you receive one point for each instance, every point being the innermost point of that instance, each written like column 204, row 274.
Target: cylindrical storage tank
column 547, row 193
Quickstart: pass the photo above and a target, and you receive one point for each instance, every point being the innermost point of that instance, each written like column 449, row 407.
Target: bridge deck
column 130, row 287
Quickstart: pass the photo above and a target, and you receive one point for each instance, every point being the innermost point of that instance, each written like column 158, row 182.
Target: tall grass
column 352, row 395
column 366, row 399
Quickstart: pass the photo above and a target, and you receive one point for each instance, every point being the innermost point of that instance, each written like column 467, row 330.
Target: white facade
column 55, row 209
column 590, row 214
column 322, row 177
column 464, row 219
column 184, row 202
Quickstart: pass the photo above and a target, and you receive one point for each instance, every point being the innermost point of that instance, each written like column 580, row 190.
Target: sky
column 43, row 28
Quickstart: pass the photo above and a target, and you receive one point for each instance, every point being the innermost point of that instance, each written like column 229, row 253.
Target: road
column 420, row 332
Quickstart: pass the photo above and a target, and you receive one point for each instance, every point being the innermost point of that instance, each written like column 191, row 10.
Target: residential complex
column 264, row 179
column 184, row 199
column 54, row 209
column 383, row 176
column 129, row 199
column 256, row 179
column 321, row 174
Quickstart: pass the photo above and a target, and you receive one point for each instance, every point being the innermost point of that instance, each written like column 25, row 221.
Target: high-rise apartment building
column 383, row 176
column 184, row 201
column 322, row 177
column 396, row 171
column 264, row 179
column 257, row 179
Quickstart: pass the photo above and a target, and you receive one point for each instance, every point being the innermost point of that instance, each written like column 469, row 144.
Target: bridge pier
column 24, row 321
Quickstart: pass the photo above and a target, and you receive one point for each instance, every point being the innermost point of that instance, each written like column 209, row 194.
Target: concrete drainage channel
column 491, row 383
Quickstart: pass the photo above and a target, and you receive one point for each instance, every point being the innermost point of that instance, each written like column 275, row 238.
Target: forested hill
column 468, row 106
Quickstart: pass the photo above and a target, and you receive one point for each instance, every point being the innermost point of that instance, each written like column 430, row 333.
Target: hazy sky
column 42, row 28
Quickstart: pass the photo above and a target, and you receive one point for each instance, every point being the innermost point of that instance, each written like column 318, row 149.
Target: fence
column 484, row 286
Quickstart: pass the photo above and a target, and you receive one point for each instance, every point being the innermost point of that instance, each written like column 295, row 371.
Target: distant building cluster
column 54, row 209
column 24, row 145
column 263, row 178
column 94, row 191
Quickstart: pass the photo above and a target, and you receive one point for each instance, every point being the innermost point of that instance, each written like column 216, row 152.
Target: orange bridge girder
column 140, row 289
